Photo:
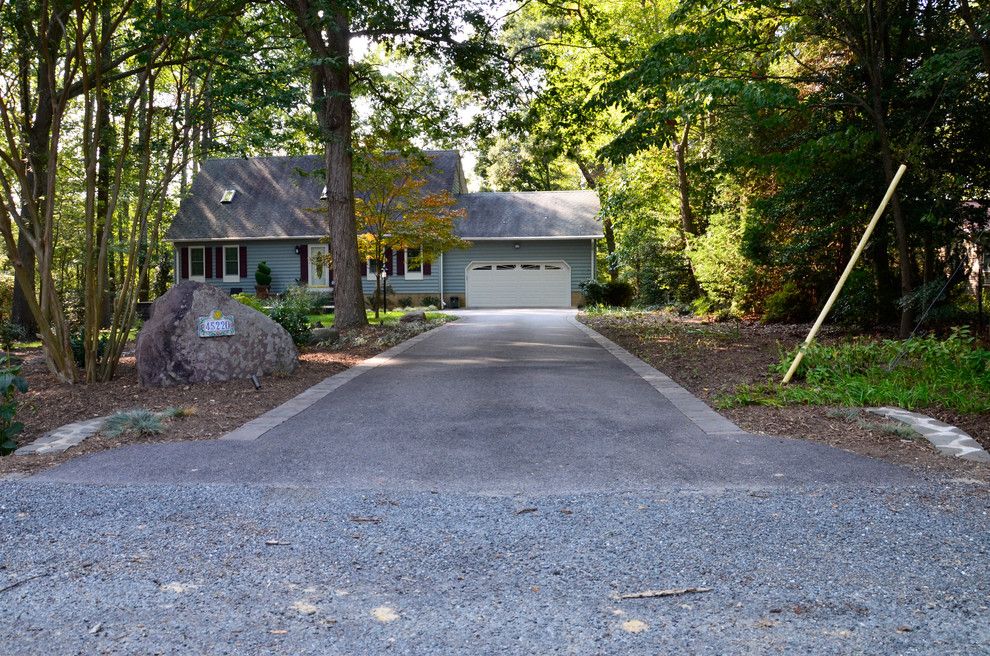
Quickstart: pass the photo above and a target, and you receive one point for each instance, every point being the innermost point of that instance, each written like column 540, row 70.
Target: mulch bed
column 713, row 359
column 218, row 407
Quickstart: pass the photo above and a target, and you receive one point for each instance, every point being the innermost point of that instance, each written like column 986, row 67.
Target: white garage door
column 518, row 284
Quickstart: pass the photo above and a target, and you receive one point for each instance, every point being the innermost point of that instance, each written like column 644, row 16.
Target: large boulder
column 170, row 350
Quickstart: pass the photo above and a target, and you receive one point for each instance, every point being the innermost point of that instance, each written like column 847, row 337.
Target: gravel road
column 259, row 570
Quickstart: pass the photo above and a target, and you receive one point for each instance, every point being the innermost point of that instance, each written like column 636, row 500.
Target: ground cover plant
column 916, row 373
column 12, row 384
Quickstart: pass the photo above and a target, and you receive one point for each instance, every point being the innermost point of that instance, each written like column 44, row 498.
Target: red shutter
column 427, row 267
column 207, row 262
column 184, row 257
column 388, row 261
column 221, row 268
column 243, row 260
column 303, row 263
column 400, row 262
column 364, row 268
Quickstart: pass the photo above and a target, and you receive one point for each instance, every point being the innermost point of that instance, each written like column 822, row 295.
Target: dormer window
column 228, row 196
column 323, row 194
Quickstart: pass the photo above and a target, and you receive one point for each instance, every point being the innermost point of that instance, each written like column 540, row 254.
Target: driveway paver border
column 257, row 427
column 947, row 440
column 696, row 410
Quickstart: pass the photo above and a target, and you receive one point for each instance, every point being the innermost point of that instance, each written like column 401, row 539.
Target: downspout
column 594, row 260
column 443, row 303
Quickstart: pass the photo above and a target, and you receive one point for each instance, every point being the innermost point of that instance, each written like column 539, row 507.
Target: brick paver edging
column 690, row 405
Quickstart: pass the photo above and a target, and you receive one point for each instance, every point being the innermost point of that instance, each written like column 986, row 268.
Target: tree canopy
column 738, row 148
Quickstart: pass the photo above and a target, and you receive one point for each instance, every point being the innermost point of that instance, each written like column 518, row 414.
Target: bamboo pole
column 845, row 274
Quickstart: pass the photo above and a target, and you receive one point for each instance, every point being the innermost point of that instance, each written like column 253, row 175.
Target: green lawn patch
column 383, row 317
column 917, row 373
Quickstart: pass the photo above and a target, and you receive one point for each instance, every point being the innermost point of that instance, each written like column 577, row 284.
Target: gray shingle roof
column 276, row 197
column 279, row 197
column 530, row 215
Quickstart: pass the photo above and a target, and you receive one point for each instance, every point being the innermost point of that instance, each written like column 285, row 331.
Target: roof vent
column 323, row 194
column 228, row 196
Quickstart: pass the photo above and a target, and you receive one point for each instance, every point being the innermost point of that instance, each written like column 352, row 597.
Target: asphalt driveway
column 497, row 402
column 494, row 489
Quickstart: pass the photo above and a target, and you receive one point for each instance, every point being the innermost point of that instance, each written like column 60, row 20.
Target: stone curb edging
column 696, row 410
column 947, row 440
column 63, row 437
column 257, row 427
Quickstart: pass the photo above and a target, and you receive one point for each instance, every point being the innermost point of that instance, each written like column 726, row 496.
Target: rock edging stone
column 948, row 440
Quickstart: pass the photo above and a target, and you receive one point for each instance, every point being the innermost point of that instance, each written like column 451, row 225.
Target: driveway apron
column 500, row 402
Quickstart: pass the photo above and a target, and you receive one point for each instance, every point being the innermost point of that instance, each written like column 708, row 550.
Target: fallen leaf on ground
column 385, row 614
column 304, row 607
column 635, row 626
column 178, row 588
column 366, row 520
column 278, row 631
column 523, row 511
column 670, row 592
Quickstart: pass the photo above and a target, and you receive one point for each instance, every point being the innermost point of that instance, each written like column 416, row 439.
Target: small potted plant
column 263, row 280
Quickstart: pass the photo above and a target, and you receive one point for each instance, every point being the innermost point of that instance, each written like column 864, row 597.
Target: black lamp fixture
column 296, row 250
column 515, row 245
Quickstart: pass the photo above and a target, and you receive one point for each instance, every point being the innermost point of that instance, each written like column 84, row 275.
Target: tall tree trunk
column 683, row 188
column 104, row 166
column 24, row 275
column 328, row 38
column 904, row 255
column 607, row 228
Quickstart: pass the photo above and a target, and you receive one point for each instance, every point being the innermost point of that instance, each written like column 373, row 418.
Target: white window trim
column 201, row 249
column 411, row 275
column 371, row 270
column 226, row 276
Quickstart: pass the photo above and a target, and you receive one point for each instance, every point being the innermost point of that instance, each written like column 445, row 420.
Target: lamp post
column 384, row 293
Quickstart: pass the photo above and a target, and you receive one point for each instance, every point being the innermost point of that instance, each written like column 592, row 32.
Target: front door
column 318, row 270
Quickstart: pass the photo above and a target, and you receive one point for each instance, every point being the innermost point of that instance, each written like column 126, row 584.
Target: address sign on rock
column 215, row 325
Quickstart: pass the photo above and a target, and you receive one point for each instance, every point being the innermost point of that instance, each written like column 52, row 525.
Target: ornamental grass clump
column 137, row 422
column 142, row 422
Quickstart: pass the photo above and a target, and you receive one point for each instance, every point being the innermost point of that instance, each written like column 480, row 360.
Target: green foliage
column 619, row 293
column 11, row 384
column 856, row 306
column 405, row 302
column 11, row 332
column 292, row 313
column 431, row 301
column 78, row 343
column 789, row 304
column 721, row 270
column 928, row 372
column 250, row 301
column 263, row 275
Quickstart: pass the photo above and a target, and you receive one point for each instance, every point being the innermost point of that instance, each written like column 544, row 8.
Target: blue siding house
column 528, row 249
